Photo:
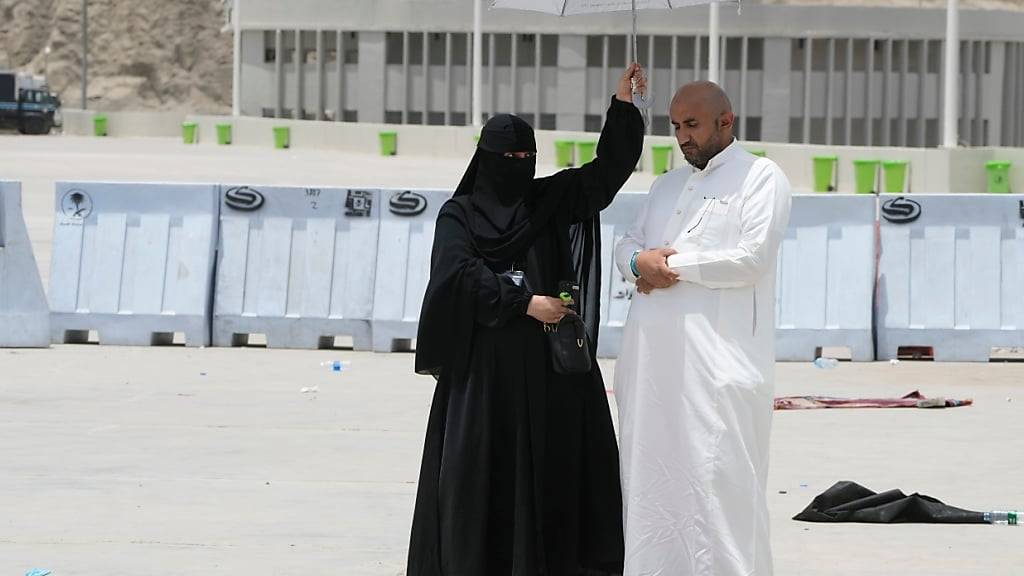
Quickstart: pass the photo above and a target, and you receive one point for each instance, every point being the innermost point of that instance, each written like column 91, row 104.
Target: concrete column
column 776, row 95
column 951, row 75
column 320, row 75
column 372, row 83
column 448, row 79
column 572, row 81
column 278, row 69
column 993, row 94
column 236, row 62
column 340, row 63
column 300, row 98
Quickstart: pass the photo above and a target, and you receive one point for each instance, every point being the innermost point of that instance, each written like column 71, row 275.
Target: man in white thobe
column 694, row 379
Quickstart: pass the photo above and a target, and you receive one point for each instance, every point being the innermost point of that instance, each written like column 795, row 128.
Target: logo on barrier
column 407, row 203
column 359, row 203
column 76, row 204
column 243, row 198
column 901, row 210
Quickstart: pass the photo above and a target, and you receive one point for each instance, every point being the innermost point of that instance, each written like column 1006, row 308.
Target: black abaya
column 520, row 467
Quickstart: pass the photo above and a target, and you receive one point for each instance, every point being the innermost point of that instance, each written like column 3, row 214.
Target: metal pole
column 236, row 76
column 85, row 54
column 478, row 54
column 952, row 76
column 634, row 54
column 714, row 44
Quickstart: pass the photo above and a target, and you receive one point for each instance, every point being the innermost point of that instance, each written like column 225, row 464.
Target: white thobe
column 694, row 379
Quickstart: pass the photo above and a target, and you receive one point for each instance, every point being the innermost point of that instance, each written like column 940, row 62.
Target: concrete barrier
column 826, row 278
column 133, row 262
column 951, row 275
column 403, row 264
column 932, row 170
column 296, row 265
column 24, row 313
column 130, row 124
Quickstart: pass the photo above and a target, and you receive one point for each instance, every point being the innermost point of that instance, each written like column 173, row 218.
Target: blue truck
column 26, row 104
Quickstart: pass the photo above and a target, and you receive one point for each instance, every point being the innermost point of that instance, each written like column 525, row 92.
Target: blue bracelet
column 632, row 263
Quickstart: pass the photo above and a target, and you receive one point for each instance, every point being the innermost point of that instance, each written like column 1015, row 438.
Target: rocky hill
column 144, row 54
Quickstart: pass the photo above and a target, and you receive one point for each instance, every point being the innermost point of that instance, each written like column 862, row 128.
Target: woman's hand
column 624, row 92
column 547, row 309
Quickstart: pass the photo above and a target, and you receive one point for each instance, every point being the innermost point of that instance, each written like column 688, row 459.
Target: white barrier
column 403, row 264
column 133, row 262
column 616, row 292
column 24, row 313
column 826, row 278
column 296, row 265
column 951, row 275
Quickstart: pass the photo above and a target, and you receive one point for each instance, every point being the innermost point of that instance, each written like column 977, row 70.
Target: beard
column 700, row 154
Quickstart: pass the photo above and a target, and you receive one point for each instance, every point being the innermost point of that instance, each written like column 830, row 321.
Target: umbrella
column 571, row 7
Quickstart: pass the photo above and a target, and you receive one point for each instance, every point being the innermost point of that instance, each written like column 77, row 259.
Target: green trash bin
column 824, row 168
column 998, row 176
column 865, row 173
column 585, row 151
column 99, row 125
column 388, row 143
column 895, row 176
column 223, row 134
column 282, row 137
column 188, row 132
column 563, row 153
column 661, row 154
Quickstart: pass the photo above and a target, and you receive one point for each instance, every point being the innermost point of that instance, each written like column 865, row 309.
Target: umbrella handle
column 642, row 101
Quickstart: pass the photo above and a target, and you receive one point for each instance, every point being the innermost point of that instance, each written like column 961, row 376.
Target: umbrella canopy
column 571, row 7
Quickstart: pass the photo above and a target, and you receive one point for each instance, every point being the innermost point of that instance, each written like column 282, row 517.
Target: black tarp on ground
column 850, row 502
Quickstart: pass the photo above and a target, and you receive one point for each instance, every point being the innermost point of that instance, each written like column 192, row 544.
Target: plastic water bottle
column 826, row 363
column 336, row 365
column 1003, row 517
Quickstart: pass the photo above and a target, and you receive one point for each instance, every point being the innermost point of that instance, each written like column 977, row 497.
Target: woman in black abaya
column 520, row 468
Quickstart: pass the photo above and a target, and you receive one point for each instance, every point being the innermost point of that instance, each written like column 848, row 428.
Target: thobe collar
column 719, row 159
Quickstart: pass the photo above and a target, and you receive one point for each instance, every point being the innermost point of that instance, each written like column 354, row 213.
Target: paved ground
column 174, row 461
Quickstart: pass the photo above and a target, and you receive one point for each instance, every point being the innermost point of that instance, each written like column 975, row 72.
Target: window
column 549, row 50
column 394, row 47
column 352, row 48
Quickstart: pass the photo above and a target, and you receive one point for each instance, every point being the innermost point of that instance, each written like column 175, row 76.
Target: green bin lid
column 895, row 162
column 661, row 146
column 389, row 133
column 998, row 164
column 865, row 162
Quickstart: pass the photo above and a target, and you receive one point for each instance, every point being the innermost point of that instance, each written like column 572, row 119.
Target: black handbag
column 570, row 347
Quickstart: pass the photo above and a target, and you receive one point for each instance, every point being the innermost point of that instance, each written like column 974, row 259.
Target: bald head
column 707, row 95
column 702, row 118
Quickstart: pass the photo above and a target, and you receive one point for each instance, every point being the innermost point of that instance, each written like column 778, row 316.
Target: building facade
column 801, row 74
